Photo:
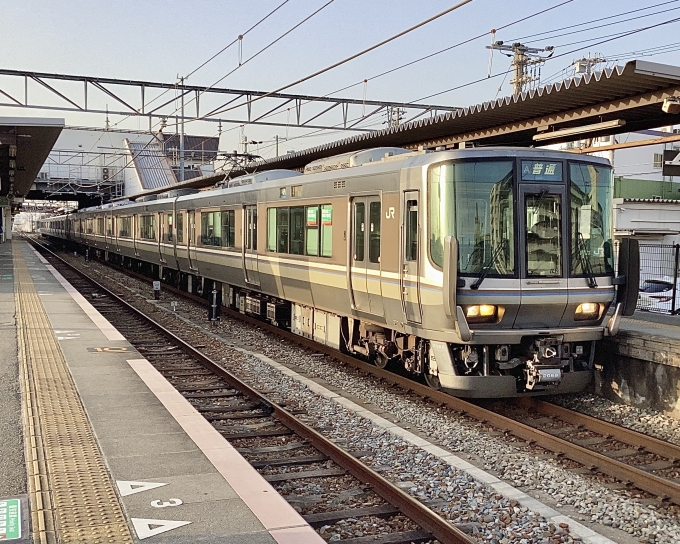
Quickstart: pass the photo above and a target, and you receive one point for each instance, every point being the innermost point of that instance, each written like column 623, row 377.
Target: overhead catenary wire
column 623, row 35
column 344, row 61
column 410, row 63
column 590, row 21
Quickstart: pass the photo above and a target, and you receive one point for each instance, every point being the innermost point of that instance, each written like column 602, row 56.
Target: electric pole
column 526, row 62
column 181, row 137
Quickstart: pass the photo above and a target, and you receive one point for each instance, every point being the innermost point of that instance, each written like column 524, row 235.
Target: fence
column 659, row 290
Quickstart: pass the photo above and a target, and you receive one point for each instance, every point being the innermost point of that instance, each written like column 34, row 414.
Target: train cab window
column 147, row 227
column 297, row 230
column 180, row 227
column 411, row 230
column 359, row 228
column 211, row 228
column 228, row 228
column 327, row 230
column 312, row 230
column 374, row 232
column 125, row 230
column 544, row 240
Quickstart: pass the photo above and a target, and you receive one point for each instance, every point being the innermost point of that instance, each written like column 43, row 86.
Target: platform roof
column 621, row 99
column 25, row 143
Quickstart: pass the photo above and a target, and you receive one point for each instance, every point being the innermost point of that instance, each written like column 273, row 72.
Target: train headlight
column 587, row 311
column 481, row 313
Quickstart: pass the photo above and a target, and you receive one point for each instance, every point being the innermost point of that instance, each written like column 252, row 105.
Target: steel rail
column 409, row 506
column 641, row 479
column 649, row 443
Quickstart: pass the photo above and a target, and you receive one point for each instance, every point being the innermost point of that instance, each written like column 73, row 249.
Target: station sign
column 671, row 162
column 10, row 519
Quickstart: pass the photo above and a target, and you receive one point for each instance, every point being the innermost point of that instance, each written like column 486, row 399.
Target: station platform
column 98, row 447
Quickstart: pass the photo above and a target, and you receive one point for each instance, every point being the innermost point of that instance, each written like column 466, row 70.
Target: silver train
column 488, row 272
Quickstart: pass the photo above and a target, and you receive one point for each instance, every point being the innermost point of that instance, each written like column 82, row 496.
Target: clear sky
column 157, row 40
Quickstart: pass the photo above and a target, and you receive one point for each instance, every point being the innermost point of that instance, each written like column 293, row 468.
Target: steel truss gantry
column 84, row 94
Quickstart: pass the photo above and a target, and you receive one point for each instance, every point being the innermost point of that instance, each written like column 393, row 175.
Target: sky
column 159, row 40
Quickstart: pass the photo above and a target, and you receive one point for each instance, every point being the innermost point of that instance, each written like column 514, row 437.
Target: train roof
column 369, row 160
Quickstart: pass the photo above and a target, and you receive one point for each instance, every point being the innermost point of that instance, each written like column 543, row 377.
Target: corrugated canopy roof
column 632, row 95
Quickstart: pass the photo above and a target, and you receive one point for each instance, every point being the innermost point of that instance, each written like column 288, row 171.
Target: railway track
column 272, row 436
column 634, row 459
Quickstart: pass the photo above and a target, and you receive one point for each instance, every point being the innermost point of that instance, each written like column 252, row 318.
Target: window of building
column 147, row 227
column 658, row 160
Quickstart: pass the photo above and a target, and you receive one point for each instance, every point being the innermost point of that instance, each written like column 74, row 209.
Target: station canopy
column 616, row 100
column 25, row 143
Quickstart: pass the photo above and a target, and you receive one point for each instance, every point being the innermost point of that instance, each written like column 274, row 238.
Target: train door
column 191, row 240
column 364, row 273
column 410, row 257
column 543, row 230
column 250, row 265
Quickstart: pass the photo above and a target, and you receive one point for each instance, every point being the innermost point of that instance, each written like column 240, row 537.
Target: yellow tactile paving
column 72, row 496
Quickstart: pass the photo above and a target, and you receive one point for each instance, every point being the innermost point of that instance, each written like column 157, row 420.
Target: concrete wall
column 641, row 370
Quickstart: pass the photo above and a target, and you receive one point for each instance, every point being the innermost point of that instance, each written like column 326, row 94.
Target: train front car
column 519, row 273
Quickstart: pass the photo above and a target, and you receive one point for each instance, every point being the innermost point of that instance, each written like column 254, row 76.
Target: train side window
column 359, row 227
column 125, row 230
column 147, row 227
column 374, row 232
column 297, row 230
column 312, row 230
column 169, row 234
column 210, row 228
column 271, row 229
column 411, row 230
column 327, row 230
column 180, row 227
column 228, row 229
column 109, row 226
column 282, row 230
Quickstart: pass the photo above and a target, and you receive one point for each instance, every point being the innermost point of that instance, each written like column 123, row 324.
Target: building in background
column 109, row 164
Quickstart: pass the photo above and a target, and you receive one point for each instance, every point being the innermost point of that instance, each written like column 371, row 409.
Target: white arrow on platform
column 150, row 527
column 130, row 488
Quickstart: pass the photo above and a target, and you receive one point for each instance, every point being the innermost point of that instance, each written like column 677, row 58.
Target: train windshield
column 591, row 219
column 473, row 201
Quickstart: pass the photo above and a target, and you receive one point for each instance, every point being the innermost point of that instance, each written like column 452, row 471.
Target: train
column 486, row 272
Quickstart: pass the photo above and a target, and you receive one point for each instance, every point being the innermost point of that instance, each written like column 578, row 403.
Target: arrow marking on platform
column 150, row 527
column 130, row 488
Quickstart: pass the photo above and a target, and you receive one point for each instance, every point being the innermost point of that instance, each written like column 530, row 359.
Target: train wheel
column 380, row 360
column 432, row 380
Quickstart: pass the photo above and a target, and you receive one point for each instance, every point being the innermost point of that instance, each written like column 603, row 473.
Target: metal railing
column 659, row 278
